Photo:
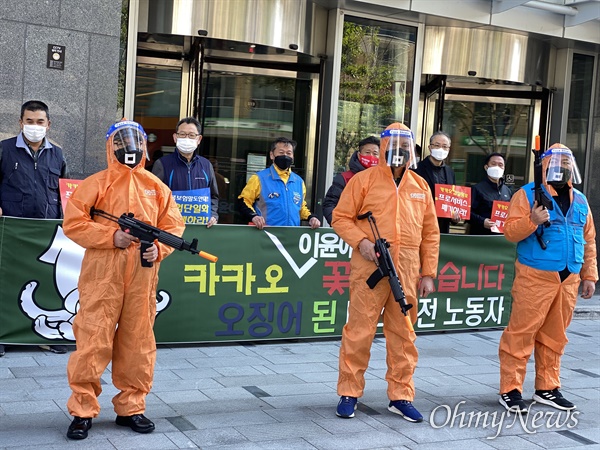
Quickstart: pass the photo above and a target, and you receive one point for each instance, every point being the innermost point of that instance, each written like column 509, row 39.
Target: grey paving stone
column 39, row 371
column 208, row 390
column 6, row 373
column 168, row 375
column 173, row 363
column 263, row 380
column 281, row 444
column 228, row 393
column 553, row 440
column 300, row 413
column 301, row 389
column 180, row 439
column 232, row 371
column 143, row 441
column 196, row 373
column 274, row 431
column 181, row 396
column 184, row 385
column 230, row 419
column 318, row 377
column 298, row 368
column 265, row 370
column 216, row 437
column 363, row 440
column 242, row 404
column 302, row 400
column 14, row 361
column 457, row 444
column 512, row 442
column 30, row 436
column 29, row 407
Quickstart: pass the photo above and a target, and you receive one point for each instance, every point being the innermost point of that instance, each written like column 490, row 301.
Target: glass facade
column 580, row 102
column 376, row 79
column 157, row 100
column 242, row 115
column 479, row 127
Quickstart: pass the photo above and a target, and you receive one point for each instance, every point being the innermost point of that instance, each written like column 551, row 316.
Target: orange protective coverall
column 406, row 218
column 542, row 306
column 114, row 289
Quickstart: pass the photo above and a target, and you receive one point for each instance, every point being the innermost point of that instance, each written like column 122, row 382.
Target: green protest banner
column 278, row 283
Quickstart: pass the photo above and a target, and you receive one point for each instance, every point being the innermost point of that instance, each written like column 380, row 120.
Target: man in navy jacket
column 185, row 170
column 30, row 167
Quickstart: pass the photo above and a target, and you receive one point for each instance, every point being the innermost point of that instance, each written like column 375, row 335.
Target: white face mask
column 439, row 153
column 186, row 145
column 495, row 172
column 34, row 133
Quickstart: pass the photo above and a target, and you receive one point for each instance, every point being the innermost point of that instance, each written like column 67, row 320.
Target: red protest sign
column 67, row 187
column 499, row 215
column 451, row 197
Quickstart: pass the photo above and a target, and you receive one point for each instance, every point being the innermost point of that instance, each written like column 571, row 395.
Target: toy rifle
column 539, row 195
column 147, row 234
column 385, row 268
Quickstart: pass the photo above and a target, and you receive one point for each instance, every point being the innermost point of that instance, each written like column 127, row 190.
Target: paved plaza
column 282, row 395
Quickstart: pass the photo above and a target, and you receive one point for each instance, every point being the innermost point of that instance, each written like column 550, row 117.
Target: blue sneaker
column 406, row 410
column 346, row 407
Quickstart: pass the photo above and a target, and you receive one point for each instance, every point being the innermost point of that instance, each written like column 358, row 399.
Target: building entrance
column 244, row 96
column 484, row 117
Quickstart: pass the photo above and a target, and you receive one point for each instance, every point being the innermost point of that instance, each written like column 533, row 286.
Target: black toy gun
column 147, row 234
column 385, row 268
column 539, row 195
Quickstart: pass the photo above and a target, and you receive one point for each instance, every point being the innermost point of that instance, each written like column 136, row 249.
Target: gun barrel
column 211, row 258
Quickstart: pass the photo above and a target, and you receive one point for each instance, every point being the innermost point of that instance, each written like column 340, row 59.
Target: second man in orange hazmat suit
column 402, row 204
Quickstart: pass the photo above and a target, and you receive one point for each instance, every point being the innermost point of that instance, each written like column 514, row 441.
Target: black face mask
column 283, row 162
column 129, row 156
column 400, row 155
column 566, row 176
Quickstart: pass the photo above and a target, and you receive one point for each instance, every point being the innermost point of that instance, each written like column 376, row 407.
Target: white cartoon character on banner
column 66, row 256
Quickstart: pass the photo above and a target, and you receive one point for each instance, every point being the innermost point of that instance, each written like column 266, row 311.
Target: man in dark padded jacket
column 435, row 171
column 366, row 156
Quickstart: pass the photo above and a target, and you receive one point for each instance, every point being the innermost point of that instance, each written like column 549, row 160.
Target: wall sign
column 56, row 57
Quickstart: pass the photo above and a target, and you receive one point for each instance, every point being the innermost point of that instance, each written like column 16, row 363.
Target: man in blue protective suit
column 556, row 253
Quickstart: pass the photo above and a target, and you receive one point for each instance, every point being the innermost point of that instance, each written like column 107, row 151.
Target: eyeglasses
column 445, row 147
column 187, row 135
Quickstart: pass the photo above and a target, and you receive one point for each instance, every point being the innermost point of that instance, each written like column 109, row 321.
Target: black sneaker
column 553, row 398
column 2, row 352
column 513, row 402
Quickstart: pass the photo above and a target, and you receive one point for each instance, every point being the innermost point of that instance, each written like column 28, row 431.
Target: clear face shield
column 562, row 167
column 127, row 140
column 400, row 150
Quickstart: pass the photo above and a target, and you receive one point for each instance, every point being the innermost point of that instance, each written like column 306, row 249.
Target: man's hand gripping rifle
column 385, row 268
column 539, row 195
column 147, row 234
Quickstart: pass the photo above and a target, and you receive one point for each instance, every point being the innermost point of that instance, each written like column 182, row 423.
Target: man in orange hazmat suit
column 117, row 296
column 552, row 261
column 402, row 204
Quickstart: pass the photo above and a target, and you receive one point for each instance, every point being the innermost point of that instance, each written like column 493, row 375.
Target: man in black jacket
column 366, row 156
column 485, row 192
column 30, row 166
column 435, row 171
